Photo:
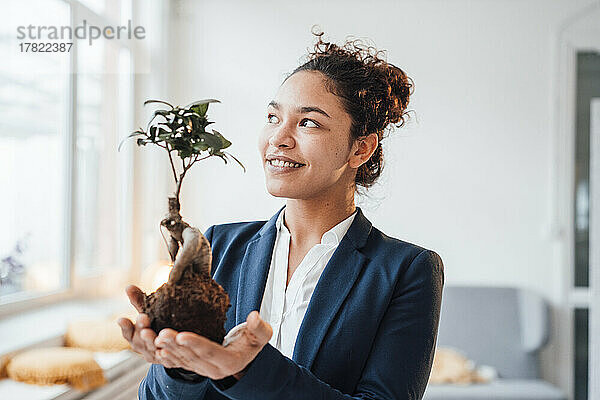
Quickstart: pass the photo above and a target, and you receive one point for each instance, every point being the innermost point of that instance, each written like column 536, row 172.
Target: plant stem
column 171, row 160
column 179, row 184
column 185, row 169
column 199, row 159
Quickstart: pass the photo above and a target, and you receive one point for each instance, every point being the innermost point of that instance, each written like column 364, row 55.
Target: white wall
column 470, row 177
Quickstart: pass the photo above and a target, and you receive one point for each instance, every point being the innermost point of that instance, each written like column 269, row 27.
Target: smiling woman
column 345, row 311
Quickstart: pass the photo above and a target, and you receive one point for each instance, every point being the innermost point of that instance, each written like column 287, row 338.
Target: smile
column 284, row 164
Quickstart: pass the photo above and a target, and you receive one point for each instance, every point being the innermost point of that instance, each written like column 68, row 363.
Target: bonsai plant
column 190, row 300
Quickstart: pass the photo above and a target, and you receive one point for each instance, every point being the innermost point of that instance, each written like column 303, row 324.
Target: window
column 102, row 175
column 35, row 179
column 66, row 201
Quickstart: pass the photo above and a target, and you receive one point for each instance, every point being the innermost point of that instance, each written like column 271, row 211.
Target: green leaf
column 179, row 144
column 197, row 121
column 211, row 140
column 205, row 101
column 238, row 161
column 154, row 130
column 201, row 107
column 185, row 153
column 221, row 155
column 157, row 101
column 163, row 113
column 200, row 146
column 224, row 142
column 136, row 133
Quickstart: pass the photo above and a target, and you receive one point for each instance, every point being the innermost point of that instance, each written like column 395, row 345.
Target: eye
column 310, row 120
column 269, row 117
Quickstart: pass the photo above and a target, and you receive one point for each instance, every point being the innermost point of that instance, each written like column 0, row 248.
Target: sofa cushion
column 499, row 389
column 496, row 326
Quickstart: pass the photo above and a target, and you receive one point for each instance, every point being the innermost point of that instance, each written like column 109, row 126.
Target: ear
column 362, row 149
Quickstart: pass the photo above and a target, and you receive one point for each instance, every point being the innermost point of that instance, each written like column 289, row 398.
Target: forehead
column 307, row 88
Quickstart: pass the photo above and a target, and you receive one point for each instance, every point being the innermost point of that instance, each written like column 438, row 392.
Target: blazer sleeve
column 162, row 384
column 400, row 360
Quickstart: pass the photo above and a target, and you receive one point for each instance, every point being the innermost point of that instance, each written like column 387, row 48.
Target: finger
column 136, row 297
column 191, row 361
column 142, row 321
column 148, row 336
column 258, row 327
column 184, row 357
column 127, row 328
column 207, row 357
column 168, row 359
column 200, row 346
column 165, row 338
column 139, row 346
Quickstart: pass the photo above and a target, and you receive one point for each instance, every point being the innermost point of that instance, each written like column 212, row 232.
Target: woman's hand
column 140, row 336
column 203, row 356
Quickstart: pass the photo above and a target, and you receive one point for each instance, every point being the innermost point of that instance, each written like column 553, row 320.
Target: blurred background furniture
column 501, row 327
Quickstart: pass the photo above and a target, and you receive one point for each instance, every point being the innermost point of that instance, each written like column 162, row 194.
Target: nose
column 282, row 136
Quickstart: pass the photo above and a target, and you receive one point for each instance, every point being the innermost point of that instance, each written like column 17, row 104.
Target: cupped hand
column 196, row 353
column 139, row 335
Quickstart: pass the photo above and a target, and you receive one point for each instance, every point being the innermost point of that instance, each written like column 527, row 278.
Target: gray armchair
column 501, row 327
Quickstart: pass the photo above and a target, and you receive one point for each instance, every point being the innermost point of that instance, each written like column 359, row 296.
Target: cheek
column 338, row 146
column 338, row 154
column 328, row 157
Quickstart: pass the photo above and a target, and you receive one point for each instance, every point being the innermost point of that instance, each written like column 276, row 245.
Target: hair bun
column 399, row 89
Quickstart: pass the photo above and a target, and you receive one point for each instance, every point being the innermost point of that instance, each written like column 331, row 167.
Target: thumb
column 259, row 328
column 136, row 297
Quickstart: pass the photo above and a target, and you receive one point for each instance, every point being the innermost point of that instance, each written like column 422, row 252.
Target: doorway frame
column 575, row 35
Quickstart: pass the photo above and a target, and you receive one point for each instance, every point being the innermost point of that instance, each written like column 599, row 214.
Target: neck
column 308, row 219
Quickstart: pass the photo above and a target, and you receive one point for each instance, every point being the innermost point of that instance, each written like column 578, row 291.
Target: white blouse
column 283, row 308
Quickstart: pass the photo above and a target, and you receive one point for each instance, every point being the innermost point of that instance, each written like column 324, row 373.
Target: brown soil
column 196, row 304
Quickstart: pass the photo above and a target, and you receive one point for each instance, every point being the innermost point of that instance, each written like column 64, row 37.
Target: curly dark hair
column 372, row 91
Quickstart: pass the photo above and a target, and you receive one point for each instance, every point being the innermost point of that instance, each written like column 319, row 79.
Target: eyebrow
column 302, row 110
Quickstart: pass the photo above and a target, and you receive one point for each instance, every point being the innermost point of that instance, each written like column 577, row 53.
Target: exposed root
column 191, row 300
column 195, row 248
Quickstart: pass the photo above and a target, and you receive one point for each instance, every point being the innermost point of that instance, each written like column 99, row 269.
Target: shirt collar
column 332, row 236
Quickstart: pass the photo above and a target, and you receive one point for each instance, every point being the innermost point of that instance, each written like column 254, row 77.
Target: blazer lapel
column 333, row 286
column 255, row 269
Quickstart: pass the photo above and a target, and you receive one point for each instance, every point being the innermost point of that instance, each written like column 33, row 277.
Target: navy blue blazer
column 369, row 331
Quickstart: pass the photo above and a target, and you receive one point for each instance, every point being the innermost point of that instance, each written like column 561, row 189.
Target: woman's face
column 306, row 124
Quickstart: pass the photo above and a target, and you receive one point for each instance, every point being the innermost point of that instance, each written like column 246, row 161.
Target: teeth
column 287, row 164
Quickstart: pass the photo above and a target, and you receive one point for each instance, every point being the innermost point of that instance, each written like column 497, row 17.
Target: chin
column 282, row 191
